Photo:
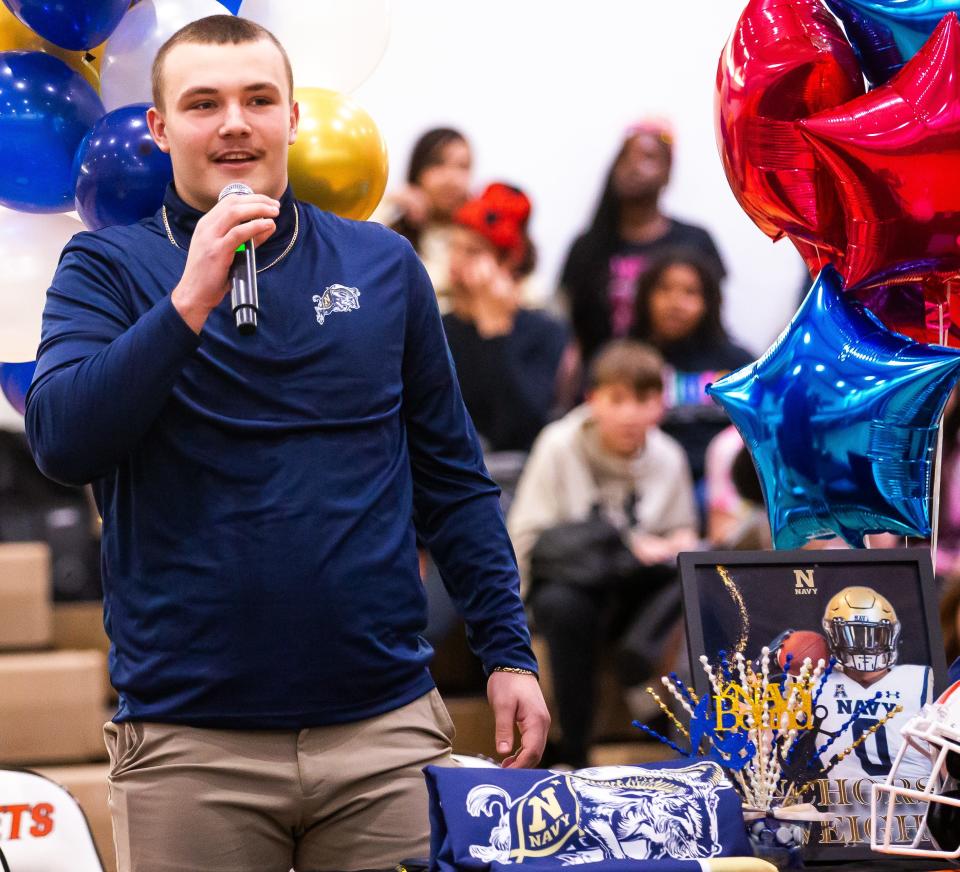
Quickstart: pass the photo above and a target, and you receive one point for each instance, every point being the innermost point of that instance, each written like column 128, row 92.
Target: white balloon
column 129, row 53
column 31, row 246
column 333, row 44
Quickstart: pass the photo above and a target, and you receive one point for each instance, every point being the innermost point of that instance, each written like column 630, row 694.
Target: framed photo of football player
column 871, row 616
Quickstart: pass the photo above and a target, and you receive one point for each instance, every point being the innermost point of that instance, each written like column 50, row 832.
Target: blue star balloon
column 887, row 33
column 841, row 418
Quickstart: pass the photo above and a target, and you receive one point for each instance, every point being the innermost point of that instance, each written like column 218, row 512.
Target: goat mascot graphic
column 336, row 298
column 605, row 813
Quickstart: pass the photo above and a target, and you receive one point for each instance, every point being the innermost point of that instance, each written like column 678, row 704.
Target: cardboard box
column 473, row 719
column 52, row 707
column 88, row 786
column 26, row 614
column 79, row 627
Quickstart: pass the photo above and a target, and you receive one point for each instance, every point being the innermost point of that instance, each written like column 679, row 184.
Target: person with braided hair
column 628, row 230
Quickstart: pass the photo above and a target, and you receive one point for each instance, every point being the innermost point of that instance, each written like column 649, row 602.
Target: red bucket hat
column 500, row 215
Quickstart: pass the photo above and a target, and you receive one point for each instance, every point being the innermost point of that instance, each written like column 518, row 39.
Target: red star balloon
column 895, row 156
column 786, row 60
column 912, row 309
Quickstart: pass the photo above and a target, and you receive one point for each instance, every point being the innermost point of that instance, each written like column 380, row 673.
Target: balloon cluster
column 74, row 90
column 842, row 414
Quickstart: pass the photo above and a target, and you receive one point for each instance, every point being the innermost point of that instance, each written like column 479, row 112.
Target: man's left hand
column 516, row 699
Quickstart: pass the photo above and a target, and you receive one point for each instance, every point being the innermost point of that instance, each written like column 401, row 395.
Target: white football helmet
column 935, row 733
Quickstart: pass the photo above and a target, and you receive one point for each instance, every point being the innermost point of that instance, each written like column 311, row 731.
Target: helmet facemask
column 867, row 646
column 862, row 628
column 941, row 796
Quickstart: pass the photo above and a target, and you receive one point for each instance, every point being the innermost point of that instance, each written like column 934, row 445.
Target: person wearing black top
column 678, row 310
column 507, row 357
column 627, row 231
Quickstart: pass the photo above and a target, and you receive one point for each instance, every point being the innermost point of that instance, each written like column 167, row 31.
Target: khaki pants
column 346, row 797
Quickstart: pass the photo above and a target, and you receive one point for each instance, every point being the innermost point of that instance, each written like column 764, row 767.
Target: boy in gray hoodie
column 609, row 454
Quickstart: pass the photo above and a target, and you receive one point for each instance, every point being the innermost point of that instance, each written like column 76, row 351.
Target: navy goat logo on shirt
column 336, row 298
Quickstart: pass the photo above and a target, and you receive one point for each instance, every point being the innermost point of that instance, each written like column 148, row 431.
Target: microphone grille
column 235, row 188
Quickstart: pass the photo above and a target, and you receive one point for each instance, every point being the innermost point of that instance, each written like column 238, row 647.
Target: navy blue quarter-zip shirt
column 259, row 493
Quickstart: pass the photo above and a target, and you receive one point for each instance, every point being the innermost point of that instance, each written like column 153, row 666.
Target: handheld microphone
column 243, row 274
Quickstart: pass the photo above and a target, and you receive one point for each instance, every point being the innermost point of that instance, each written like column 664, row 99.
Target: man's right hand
column 231, row 222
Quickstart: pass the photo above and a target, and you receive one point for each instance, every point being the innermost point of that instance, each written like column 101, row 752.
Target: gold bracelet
column 515, row 670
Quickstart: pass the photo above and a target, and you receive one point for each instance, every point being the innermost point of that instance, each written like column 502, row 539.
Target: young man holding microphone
column 261, row 495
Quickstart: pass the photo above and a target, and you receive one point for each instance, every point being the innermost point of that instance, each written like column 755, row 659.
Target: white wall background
column 544, row 91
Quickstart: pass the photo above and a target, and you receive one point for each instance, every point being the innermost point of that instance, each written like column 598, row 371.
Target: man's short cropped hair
column 214, row 30
column 627, row 362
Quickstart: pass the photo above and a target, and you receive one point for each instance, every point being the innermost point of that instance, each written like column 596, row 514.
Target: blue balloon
column 121, row 174
column 872, row 41
column 232, row 5
column 841, row 418
column 887, row 33
column 15, row 381
column 45, row 110
column 72, row 24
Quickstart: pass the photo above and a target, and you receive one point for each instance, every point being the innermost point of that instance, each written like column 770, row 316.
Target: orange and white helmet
column 935, row 733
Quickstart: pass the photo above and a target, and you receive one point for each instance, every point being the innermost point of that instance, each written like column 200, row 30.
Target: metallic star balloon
column 872, row 41
column 911, row 309
column 841, row 417
column 894, row 154
column 785, row 60
column 887, row 33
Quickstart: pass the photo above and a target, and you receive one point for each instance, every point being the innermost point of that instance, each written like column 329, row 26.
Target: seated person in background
column 736, row 510
column 507, row 356
column 736, row 514
column 677, row 310
column 606, row 455
column 950, row 617
column 34, row 508
column 948, row 541
column 628, row 229
column 438, row 183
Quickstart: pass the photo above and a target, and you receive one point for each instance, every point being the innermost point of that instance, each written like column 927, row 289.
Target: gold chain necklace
column 283, row 254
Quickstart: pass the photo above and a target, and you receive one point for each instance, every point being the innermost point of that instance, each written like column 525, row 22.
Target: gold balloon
column 339, row 161
column 16, row 36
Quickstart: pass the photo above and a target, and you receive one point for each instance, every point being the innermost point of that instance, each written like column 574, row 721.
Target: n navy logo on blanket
column 537, row 824
column 589, row 816
column 336, row 298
